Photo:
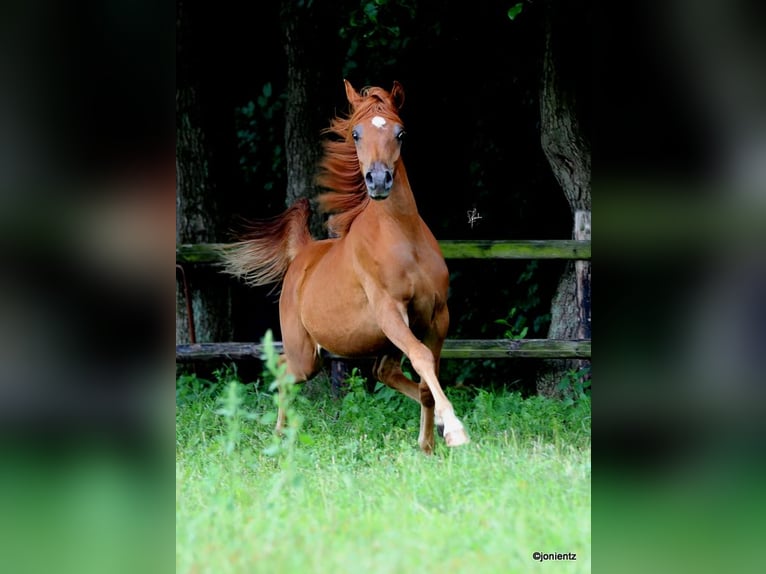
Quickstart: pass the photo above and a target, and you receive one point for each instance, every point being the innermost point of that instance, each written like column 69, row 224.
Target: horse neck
column 400, row 204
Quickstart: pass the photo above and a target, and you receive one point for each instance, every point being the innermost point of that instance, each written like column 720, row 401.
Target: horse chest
column 418, row 278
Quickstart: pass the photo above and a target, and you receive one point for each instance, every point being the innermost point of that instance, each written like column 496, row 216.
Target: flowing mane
column 339, row 169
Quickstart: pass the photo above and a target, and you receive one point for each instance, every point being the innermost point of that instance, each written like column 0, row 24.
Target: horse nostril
column 368, row 177
column 389, row 179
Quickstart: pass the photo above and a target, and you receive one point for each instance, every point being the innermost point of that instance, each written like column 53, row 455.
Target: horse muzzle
column 379, row 180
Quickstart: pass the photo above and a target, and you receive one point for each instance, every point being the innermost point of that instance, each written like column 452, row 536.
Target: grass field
column 347, row 490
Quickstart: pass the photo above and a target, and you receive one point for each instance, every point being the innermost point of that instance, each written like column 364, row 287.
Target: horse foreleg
column 393, row 320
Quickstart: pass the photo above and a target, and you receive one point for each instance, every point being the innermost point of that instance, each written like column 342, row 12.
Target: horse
column 378, row 286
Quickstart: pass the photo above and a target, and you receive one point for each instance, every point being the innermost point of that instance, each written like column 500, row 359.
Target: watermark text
column 545, row 556
column 473, row 216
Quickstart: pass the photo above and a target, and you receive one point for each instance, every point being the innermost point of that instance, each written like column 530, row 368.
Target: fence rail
column 452, row 249
column 453, row 349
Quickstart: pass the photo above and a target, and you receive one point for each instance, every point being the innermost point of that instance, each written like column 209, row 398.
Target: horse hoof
column 456, row 438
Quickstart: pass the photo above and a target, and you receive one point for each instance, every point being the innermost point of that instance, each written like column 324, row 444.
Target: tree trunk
column 303, row 45
column 304, row 48
column 567, row 148
column 196, row 210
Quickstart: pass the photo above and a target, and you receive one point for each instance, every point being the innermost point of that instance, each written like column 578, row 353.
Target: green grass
column 347, row 490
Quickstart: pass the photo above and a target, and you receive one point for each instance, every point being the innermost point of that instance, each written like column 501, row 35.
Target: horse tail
column 267, row 247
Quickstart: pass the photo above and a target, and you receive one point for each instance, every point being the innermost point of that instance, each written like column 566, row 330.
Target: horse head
column 377, row 133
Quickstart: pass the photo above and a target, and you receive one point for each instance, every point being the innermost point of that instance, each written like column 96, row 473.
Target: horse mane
column 339, row 168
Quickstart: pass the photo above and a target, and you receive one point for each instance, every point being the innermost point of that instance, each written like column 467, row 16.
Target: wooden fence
column 453, row 348
column 542, row 249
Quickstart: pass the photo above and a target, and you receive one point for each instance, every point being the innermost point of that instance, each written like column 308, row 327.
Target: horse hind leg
column 388, row 370
column 302, row 358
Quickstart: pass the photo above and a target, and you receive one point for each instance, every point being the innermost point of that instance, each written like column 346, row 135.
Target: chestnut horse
column 379, row 286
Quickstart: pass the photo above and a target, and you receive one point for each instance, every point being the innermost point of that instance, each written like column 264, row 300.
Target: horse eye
column 400, row 136
column 355, row 135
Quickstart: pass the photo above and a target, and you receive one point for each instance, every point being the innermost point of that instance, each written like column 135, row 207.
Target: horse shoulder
column 432, row 251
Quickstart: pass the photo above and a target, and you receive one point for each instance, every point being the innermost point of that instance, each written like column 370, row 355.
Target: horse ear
column 397, row 95
column 352, row 95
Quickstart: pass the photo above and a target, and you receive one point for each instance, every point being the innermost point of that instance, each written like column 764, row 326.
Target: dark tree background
column 269, row 77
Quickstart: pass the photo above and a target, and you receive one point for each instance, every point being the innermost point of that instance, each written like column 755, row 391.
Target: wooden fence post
column 582, row 274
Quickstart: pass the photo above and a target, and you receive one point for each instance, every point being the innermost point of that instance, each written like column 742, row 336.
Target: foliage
column 516, row 330
column 260, row 133
column 391, row 406
column 515, row 10
column 517, row 319
column 190, row 388
column 575, row 386
column 374, row 34
column 234, row 413
column 285, row 396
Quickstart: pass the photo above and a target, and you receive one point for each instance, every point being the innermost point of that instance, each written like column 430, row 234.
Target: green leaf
column 515, row 10
column 271, row 450
column 267, row 89
column 305, row 439
column 371, row 10
column 269, row 418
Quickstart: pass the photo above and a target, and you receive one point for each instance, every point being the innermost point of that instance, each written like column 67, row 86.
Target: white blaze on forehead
column 378, row 122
